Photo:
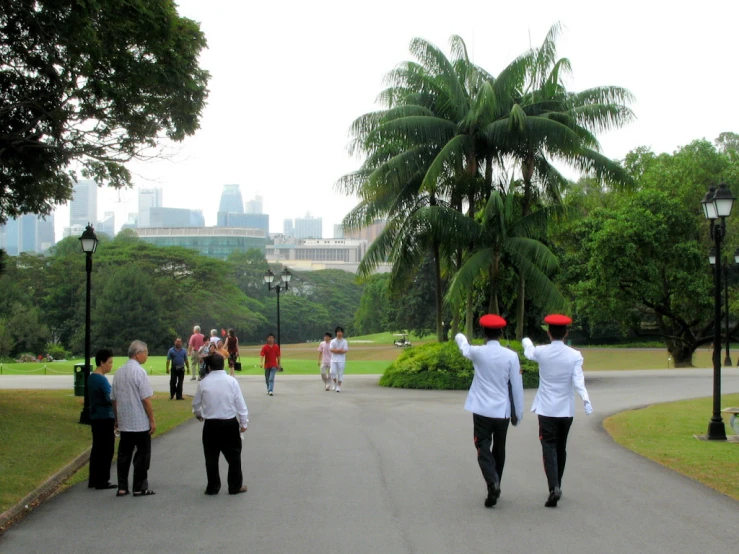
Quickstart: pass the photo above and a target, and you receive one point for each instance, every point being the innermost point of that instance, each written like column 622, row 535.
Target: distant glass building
column 215, row 242
column 175, row 217
column 83, row 208
column 288, row 228
column 28, row 233
column 308, row 227
column 254, row 206
column 148, row 199
column 107, row 225
column 249, row 221
column 231, row 201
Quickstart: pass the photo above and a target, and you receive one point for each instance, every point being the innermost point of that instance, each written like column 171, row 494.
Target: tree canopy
column 90, row 84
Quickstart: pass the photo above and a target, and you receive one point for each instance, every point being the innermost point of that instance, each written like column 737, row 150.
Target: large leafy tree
column 94, row 83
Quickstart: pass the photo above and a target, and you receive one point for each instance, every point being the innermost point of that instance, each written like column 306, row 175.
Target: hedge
column 441, row 366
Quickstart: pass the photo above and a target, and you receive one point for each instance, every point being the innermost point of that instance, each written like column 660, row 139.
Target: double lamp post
column 89, row 243
column 717, row 205
column 269, row 279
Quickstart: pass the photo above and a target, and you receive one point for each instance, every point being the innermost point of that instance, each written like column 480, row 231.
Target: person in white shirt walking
column 560, row 371
column 324, row 360
column 220, row 403
column 495, row 398
column 338, row 348
column 134, row 417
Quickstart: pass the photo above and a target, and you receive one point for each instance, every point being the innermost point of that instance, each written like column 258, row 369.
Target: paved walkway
column 394, row 471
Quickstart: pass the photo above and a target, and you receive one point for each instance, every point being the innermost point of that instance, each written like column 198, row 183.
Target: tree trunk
column 437, row 279
column 520, row 307
column 455, row 323
column 493, row 304
column 682, row 354
column 469, row 323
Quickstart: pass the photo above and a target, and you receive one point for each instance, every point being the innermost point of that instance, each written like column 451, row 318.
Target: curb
column 47, row 489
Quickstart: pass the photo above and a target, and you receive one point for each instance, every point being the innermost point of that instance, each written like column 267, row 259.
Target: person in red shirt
column 270, row 361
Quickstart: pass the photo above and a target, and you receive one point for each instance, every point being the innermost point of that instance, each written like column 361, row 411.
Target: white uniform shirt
column 219, row 397
column 560, row 371
column 494, row 367
column 130, row 387
column 338, row 345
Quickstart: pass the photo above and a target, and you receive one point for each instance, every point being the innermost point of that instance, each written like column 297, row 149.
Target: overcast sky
column 289, row 77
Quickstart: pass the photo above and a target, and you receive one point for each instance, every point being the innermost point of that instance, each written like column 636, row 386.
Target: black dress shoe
column 493, row 495
column 211, row 493
column 554, row 496
column 106, row 487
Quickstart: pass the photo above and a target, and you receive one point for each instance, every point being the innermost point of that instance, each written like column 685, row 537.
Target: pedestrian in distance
column 270, row 361
column 197, row 339
column 495, row 398
column 220, row 404
column 338, row 347
column 131, row 395
column 178, row 358
column 221, row 349
column 232, row 346
column 214, row 336
column 560, row 371
column 102, row 422
column 324, row 360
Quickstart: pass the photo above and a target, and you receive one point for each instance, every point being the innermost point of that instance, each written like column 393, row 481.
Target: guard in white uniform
column 496, row 385
column 560, row 371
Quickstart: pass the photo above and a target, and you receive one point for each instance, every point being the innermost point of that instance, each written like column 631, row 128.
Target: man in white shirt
column 220, row 403
column 338, row 348
column 131, row 395
column 489, row 399
column 560, row 371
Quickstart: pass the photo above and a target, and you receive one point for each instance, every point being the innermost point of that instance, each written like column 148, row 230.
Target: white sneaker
column 327, row 387
column 338, row 389
column 270, row 393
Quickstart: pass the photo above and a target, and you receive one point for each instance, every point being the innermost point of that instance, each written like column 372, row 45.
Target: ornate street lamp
column 726, row 267
column 269, row 279
column 89, row 243
column 717, row 204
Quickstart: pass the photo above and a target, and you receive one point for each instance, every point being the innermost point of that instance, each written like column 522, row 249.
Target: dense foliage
column 441, row 366
column 95, row 83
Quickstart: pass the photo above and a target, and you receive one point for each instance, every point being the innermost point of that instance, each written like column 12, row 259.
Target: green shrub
column 57, row 351
column 441, row 366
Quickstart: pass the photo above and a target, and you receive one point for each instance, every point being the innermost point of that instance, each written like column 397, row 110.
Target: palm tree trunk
column 493, row 304
column 528, row 173
column 520, row 307
column 437, row 279
column 469, row 324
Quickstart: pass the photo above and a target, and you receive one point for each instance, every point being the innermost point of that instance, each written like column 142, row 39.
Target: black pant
column 222, row 435
column 176, row 378
column 103, row 445
column 490, row 431
column 141, row 441
column 553, row 433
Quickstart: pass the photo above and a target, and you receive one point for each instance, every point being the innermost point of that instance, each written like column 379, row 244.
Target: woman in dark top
column 102, row 421
column 232, row 346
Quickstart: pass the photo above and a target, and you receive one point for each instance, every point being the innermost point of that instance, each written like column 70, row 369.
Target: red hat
column 557, row 319
column 492, row 321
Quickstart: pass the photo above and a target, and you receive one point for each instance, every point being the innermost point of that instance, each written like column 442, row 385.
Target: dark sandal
column 147, row 492
column 119, row 493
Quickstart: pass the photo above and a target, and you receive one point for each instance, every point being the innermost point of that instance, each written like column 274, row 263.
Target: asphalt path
column 394, row 471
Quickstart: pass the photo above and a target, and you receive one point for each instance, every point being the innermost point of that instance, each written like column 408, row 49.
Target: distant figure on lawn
column 134, row 414
column 197, row 339
column 560, row 371
column 232, row 346
column 270, row 361
column 102, row 422
column 220, row 403
column 324, row 360
column 338, row 347
column 178, row 357
column 495, row 398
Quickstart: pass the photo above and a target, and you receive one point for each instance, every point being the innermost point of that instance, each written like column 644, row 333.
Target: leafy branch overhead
column 90, row 84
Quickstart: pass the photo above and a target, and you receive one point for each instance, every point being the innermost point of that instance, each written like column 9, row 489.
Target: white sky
column 288, row 78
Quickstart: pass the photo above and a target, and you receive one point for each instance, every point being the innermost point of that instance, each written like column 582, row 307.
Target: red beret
column 492, row 321
column 557, row 319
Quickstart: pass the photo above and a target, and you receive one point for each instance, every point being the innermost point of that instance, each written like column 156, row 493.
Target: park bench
column 734, row 422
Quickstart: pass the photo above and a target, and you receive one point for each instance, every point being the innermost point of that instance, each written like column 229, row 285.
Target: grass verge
column 41, row 436
column 664, row 433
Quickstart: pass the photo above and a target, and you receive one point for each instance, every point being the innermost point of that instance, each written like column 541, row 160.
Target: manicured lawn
column 664, row 433
column 42, row 435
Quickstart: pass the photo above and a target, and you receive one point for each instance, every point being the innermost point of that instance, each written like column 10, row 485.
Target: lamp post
column 89, row 243
column 726, row 267
column 717, row 204
column 269, row 278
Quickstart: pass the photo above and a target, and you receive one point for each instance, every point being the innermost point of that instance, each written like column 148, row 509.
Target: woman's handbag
column 237, row 366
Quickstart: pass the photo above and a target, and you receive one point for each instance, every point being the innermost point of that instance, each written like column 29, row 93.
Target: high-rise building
column 338, row 231
column 148, row 199
column 28, row 233
column 167, row 218
column 369, row 233
column 254, row 206
column 231, row 201
column 132, row 222
column 288, row 229
column 83, row 208
column 245, row 221
column 308, row 227
column 107, row 225
column 45, row 236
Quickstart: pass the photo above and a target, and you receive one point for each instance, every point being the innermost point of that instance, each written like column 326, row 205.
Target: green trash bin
column 79, row 379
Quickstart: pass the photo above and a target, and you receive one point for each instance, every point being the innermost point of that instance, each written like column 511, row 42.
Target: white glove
column 526, row 343
column 588, row 407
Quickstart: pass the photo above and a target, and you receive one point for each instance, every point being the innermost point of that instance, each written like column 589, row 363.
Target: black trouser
column 103, row 445
column 490, row 431
column 176, row 378
column 553, row 433
column 222, row 435
column 141, row 441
